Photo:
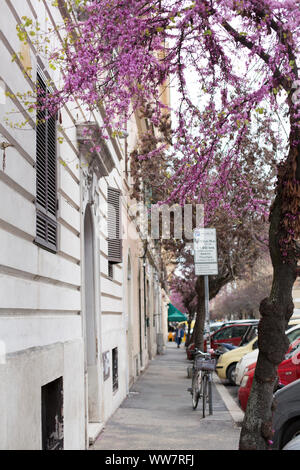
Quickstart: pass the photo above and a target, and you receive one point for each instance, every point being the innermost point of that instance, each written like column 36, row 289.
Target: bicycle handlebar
column 198, row 351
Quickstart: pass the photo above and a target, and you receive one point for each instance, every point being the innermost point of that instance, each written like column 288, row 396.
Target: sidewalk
column 158, row 414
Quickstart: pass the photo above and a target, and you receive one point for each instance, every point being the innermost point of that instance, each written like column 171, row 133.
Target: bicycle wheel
column 204, row 394
column 210, row 402
column 195, row 389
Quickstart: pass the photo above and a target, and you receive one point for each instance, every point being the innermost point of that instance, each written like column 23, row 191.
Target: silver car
column 286, row 419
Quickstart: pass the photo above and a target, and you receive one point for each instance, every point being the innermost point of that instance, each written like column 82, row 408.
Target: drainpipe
column 144, row 275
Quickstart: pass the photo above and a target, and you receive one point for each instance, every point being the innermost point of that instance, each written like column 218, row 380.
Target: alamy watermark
column 156, row 221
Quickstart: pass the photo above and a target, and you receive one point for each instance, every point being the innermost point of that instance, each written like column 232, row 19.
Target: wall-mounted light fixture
column 3, row 146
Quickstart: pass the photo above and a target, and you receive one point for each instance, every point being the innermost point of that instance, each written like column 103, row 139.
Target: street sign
column 206, row 269
column 206, row 264
column 205, row 252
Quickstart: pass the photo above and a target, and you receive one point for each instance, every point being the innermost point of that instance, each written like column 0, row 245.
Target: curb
column 235, row 411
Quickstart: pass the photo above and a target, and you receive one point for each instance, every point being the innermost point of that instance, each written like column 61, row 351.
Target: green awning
column 174, row 314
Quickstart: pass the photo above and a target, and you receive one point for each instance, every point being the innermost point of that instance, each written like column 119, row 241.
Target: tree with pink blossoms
column 242, row 57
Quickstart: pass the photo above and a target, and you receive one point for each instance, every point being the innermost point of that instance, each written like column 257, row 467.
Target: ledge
column 94, row 429
column 101, row 162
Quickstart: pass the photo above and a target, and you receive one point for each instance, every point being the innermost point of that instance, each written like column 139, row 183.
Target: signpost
column 206, row 263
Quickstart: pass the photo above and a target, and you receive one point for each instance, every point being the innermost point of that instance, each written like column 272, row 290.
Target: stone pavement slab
column 158, row 414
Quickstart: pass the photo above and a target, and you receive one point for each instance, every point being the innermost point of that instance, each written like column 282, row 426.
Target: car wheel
column 292, row 430
column 230, row 373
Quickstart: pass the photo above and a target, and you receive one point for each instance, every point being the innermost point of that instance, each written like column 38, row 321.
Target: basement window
column 52, row 415
column 115, row 379
column 110, row 270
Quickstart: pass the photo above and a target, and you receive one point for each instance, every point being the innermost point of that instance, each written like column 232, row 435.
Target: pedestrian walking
column 179, row 335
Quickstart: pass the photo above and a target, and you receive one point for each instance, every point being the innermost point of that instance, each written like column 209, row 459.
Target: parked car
column 293, row 444
column 243, row 364
column 236, row 334
column 251, row 357
column 233, row 334
column 286, row 418
column 288, row 371
column 214, row 326
column 227, row 362
column 294, row 321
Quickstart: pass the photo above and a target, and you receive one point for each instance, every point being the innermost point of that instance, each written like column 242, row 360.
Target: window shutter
column 46, row 169
column 114, row 226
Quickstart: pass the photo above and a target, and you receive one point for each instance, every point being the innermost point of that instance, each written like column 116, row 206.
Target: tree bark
column 188, row 335
column 198, row 332
column 276, row 310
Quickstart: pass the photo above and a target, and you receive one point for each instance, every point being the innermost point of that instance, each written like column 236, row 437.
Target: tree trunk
column 275, row 311
column 215, row 285
column 198, row 332
column 188, row 335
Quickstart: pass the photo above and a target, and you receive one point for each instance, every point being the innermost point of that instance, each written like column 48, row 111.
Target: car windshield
column 293, row 335
column 295, row 351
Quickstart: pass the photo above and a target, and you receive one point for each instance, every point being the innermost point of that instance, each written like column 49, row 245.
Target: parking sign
column 205, row 252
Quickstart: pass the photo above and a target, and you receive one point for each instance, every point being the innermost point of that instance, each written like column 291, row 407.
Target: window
column 52, row 415
column 110, row 270
column 225, row 333
column 114, row 226
column 46, row 170
column 238, row 331
column 294, row 335
column 115, row 382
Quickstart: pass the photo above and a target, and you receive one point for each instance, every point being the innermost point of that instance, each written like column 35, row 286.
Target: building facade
column 82, row 308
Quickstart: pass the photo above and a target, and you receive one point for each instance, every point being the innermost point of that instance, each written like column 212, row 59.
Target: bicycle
column 203, row 367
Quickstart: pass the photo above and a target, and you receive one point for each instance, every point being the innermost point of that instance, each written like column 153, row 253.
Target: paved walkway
column 158, row 414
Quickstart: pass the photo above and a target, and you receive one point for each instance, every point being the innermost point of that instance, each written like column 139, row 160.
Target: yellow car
column 227, row 362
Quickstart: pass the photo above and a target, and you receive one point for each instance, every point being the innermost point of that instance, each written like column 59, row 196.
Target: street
column 158, row 414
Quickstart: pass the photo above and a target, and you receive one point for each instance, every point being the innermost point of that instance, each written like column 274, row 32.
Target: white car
column 241, row 367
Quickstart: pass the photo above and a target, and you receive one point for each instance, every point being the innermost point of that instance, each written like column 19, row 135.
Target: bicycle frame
column 202, row 381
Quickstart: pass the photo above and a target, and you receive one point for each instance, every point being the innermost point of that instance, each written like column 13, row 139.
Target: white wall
column 40, row 297
column 24, row 374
